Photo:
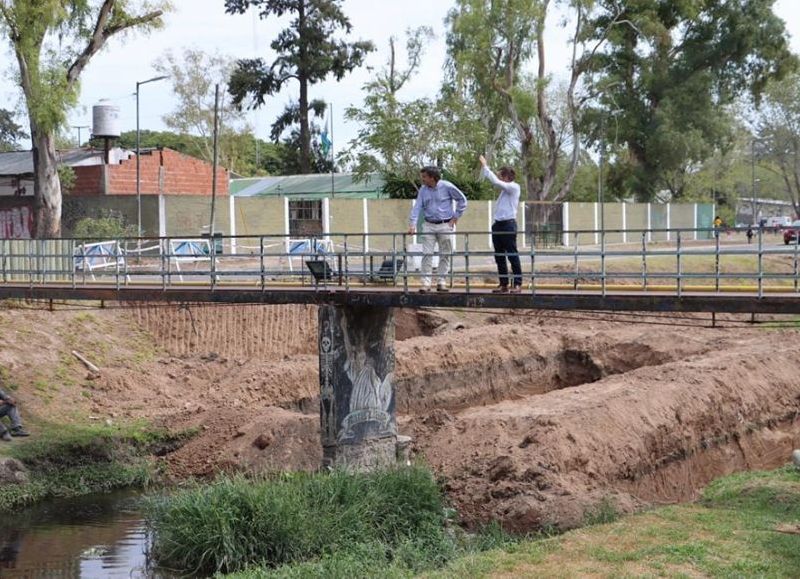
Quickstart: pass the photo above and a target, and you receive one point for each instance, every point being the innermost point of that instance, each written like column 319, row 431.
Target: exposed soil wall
column 241, row 331
column 532, row 419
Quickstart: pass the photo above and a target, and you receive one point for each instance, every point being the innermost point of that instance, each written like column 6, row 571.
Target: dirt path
column 533, row 419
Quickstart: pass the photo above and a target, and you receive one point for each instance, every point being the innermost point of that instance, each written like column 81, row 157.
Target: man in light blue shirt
column 504, row 228
column 435, row 201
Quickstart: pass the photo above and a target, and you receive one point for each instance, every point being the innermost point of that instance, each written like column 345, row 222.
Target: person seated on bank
column 435, row 201
column 8, row 407
column 504, row 226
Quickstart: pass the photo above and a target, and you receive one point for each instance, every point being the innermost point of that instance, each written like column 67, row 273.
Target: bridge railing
column 673, row 260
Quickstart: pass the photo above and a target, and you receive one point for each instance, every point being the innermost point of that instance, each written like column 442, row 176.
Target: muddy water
column 98, row 536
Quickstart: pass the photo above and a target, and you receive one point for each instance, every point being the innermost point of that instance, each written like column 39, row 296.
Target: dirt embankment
column 533, row 419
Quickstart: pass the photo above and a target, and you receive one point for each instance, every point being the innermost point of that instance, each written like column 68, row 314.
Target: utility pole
column 600, row 192
column 333, row 158
column 214, row 169
column 753, row 176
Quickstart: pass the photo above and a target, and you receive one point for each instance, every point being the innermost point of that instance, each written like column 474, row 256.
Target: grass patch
column 733, row 531
column 391, row 523
column 603, row 512
column 66, row 460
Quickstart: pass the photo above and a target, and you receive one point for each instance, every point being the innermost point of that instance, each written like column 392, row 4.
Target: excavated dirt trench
column 532, row 419
column 535, row 423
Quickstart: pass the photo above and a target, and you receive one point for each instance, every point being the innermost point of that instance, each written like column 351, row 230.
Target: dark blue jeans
column 504, row 239
column 13, row 415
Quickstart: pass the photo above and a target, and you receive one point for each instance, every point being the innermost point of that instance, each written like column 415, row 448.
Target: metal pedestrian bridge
column 686, row 270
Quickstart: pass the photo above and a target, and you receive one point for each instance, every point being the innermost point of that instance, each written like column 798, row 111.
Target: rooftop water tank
column 105, row 120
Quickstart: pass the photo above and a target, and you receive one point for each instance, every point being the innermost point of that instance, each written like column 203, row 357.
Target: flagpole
column 333, row 157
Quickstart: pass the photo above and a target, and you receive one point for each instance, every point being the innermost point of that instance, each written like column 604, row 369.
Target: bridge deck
column 390, row 296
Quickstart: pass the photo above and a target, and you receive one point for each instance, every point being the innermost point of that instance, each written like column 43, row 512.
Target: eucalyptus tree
column 491, row 45
column 308, row 52
column 778, row 131
column 668, row 73
column 396, row 136
column 53, row 41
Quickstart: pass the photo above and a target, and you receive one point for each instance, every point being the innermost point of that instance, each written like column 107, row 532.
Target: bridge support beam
column 356, row 373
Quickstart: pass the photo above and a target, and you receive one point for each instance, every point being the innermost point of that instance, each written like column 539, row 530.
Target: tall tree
column 194, row 74
column 669, row 73
column 53, row 41
column 778, row 129
column 492, row 41
column 308, row 52
column 396, row 136
column 10, row 132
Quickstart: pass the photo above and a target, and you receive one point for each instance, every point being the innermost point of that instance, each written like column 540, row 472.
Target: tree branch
column 102, row 32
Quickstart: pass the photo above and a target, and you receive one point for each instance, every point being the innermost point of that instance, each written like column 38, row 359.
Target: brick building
column 162, row 171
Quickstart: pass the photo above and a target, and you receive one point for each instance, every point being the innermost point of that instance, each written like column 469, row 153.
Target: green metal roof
column 317, row 186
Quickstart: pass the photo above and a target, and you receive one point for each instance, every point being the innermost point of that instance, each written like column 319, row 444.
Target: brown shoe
column 503, row 289
column 515, row 290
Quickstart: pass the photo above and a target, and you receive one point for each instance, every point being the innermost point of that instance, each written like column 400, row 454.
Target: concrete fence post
column 357, row 400
column 365, row 214
column 286, row 223
column 624, row 207
column 565, row 224
column 232, row 220
column 162, row 216
column 326, row 217
column 669, row 223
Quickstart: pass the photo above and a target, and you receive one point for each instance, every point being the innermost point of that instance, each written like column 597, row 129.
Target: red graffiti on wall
column 16, row 223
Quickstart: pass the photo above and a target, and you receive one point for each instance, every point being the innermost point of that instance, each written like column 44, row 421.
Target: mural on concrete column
column 326, row 358
column 369, row 365
column 356, row 372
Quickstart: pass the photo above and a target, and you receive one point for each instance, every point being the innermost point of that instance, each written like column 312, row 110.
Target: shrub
column 108, row 225
column 296, row 518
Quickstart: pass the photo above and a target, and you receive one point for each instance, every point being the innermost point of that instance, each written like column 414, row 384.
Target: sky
column 203, row 24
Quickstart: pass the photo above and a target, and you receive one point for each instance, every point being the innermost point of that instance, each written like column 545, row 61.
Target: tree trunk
column 46, row 185
column 305, row 135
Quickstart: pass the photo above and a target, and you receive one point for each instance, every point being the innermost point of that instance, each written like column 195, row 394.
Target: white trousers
column 433, row 233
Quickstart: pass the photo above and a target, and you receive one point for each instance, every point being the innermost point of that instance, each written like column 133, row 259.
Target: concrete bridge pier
column 356, row 373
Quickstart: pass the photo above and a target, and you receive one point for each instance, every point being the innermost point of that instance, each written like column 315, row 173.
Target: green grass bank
column 396, row 524
column 70, row 460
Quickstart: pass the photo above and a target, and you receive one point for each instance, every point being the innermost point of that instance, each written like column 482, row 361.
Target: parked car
column 790, row 235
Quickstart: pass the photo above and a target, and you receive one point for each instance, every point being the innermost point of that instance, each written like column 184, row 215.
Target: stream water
column 96, row 536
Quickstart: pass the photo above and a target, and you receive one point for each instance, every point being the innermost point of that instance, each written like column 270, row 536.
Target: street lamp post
column 138, row 183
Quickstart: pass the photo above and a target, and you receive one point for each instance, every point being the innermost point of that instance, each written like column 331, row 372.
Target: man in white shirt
column 435, row 201
column 504, row 227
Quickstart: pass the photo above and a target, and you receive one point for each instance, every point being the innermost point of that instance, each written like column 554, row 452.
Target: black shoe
column 424, row 290
column 442, row 288
column 19, row 432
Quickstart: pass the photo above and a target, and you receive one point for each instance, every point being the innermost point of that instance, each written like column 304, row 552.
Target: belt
column 504, row 220
column 437, row 221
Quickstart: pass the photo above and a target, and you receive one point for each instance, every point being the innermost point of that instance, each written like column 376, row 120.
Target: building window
column 305, row 218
